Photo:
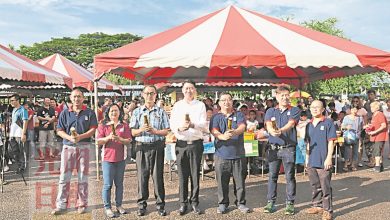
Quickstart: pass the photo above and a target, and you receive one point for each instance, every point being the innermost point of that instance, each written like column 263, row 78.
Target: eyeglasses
column 149, row 93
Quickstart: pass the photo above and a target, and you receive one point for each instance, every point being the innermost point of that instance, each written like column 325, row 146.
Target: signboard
column 251, row 148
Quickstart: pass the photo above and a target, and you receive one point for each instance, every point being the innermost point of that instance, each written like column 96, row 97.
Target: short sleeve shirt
column 158, row 119
column 318, row 137
column 282, row 118
column 114, row 151
column 44, row 112
column 377, row 119
column 18, row 114
column 234, row 147
column 82, row 122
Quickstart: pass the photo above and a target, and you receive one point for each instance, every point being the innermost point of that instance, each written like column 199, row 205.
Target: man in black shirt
column 46, row 117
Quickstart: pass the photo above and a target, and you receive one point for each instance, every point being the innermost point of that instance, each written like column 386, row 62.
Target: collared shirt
column 18, row 114
column 114, row 151
column 318, row 137
column 234, row 147
column 82, row 122
column 158, row 119
column 197, row 112
column 282, row 118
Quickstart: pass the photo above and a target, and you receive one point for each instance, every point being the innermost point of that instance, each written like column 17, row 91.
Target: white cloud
column 31, row 21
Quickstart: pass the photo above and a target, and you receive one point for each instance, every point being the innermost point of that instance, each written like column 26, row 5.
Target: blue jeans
column 287, row 156
column 113, row 172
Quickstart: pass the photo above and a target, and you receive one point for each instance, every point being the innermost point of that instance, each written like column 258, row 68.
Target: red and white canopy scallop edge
column 18, row 69
column 238, row 45
column 81, row 77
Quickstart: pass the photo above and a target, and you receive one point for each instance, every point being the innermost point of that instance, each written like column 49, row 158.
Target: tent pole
column 95, row 89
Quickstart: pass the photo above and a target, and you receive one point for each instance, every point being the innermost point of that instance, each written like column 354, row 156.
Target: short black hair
column 16, row 96
column 189, row 81
column 371, row 91
column 303, row 114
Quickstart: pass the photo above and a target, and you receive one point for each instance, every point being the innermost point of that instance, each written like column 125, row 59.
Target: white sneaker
column 6, row 168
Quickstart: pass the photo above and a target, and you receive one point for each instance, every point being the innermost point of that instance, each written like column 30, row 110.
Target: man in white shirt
column 189, row 145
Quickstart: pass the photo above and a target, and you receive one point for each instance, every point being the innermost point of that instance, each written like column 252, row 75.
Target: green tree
column 81, row 50
column 348, row 85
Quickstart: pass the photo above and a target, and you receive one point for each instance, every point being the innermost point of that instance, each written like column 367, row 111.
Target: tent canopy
column 16, row 69
column 81, row 77
column 238, row 45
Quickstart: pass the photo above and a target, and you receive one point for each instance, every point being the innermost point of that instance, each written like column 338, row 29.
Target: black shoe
column 382, row 168
column 161, row 212
column 195, row 210
column 141, row 212
column 182, row 210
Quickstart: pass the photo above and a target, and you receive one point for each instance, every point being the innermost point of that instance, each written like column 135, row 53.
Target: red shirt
column 30, row 124
column 377, row 119
column 114, row 151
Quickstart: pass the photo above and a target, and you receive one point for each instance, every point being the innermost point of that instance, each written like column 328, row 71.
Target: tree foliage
column 357, row 84
column 81, row 50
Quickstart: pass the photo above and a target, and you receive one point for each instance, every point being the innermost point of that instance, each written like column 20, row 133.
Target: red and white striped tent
column 81, row 77
column 16, row 69
column 239, row 45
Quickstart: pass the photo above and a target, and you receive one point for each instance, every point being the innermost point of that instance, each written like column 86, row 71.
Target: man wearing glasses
column 228, row 127
column 18, row 131
column 188, row 122
column 320, row 134
column 149, row 124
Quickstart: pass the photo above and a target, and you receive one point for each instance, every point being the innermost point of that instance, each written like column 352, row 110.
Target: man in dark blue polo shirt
column 320, row 134
column 76, row 125
column 228, row 128
column 280, row 123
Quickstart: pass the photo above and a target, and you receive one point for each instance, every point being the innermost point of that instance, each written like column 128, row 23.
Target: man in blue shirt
column 150, row 138
column 18, row 131
column 280, row 123
column 76, row 125
column 228, row 128
column 320, row 136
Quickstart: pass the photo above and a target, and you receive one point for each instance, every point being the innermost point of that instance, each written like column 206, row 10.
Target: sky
column 25, row 22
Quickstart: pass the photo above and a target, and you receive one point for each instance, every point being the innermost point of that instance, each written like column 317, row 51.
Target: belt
column 279, row 147
column 190, row 142
column 148, row 143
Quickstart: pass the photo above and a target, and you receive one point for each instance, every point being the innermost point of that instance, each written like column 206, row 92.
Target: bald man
column 320, row 136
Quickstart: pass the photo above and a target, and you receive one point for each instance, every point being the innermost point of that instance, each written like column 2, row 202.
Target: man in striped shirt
column 149, row 125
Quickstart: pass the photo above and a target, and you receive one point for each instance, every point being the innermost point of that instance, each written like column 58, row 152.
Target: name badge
column 234, row 118
column 322, row 128
column 288, row 113
column 86, row 118
column 43, row 112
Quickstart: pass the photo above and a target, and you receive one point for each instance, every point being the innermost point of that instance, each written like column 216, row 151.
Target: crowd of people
column 304, row 134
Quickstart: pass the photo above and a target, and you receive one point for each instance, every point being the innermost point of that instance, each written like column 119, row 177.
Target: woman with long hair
column 113, row 134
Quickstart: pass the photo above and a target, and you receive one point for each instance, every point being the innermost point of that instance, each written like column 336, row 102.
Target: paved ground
column 356, row 195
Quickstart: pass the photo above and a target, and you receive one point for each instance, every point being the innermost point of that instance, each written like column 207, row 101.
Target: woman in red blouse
column 113, row 134
column 378, row 135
